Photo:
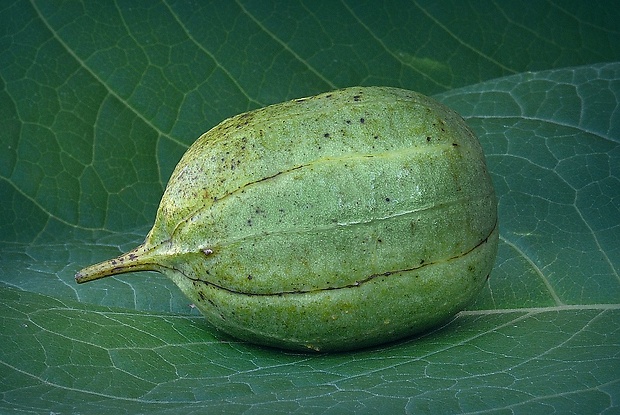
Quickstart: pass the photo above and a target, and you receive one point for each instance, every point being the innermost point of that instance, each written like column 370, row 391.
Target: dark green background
column 98, row 101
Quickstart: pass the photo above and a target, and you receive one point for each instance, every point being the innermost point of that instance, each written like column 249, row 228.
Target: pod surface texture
column 328, row 223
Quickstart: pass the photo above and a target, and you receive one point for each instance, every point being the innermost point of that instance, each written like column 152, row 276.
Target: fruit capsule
column 327, row 223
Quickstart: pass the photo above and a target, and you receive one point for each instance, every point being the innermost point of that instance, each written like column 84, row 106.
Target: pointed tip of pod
column 96, row 271
column 135, row 260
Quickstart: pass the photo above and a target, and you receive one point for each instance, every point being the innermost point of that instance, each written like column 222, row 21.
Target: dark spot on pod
column 326, row 135
column 250, row 277
column 357, row 98
column 362, row 120
column 428, row 138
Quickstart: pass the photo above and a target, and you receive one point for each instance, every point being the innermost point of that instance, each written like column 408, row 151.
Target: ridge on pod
column 328, row 223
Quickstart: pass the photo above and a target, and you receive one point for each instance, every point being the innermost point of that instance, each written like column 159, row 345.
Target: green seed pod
column 328, row 223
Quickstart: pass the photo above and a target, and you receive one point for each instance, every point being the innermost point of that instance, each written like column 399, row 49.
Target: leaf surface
column 99, row 100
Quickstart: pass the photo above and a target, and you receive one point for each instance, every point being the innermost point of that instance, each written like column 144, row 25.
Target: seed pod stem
column 138, row 259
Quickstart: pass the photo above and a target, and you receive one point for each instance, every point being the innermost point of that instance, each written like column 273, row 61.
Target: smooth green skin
column 328, row 223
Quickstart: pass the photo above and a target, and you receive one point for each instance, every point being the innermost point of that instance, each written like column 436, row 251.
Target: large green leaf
column 99, row 100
